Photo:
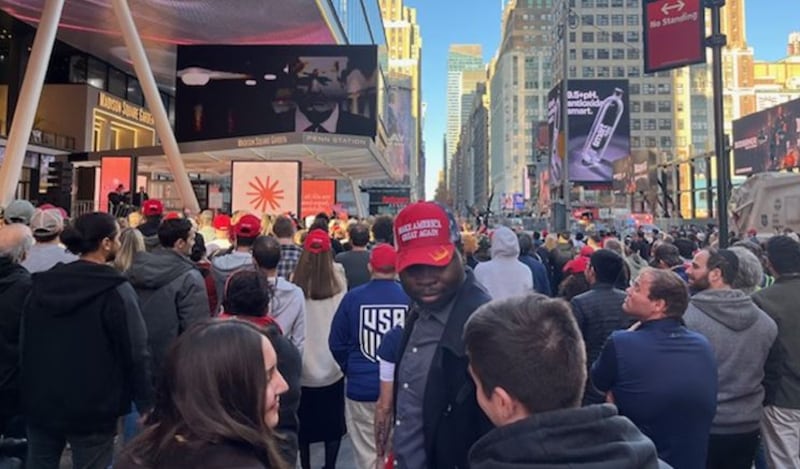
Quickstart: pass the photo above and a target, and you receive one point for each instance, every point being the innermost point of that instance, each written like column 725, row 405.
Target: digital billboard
column 768, row 140
column 674, row 34
column 623, row 176
column 599, row 129
column 234, row 91
column 115, row 171
column 318, row 195
column 265, row 187
column 555, row 123
column 400, row 127
column 645, row 170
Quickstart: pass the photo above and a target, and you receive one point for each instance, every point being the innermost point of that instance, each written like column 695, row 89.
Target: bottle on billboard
column 555, row 160
column 605, row 123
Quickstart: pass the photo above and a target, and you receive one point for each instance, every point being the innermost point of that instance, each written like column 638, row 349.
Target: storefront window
column 116, row 82
column 97, row 73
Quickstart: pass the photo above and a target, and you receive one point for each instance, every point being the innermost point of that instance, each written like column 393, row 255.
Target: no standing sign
column 674, row 34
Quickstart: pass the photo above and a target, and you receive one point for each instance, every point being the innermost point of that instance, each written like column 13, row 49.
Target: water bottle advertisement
column 599, row 129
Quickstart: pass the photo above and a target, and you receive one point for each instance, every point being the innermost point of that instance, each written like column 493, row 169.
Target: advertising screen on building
column 555, row 122
column 115, row 182
column 400, row 128
column 674, row 34
column 623, row 176
column 318, row 195
column 768, row 140
column 645, row 170
column 233, row 91
column 599, row 129
column 265, row 187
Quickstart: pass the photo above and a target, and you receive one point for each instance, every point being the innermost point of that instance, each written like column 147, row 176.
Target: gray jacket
column 741, row 335
column 172, row 296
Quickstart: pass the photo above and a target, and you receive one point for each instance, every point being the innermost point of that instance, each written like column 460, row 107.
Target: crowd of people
column 162, row 340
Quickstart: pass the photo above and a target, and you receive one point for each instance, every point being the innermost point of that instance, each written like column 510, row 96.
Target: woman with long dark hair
column 322, row 399
column 217, row 403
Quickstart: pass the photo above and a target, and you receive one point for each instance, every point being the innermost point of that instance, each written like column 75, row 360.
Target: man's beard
column 111, row 256
column 701, row 283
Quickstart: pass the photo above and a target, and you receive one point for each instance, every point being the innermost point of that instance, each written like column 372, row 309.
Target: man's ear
column 505, row 406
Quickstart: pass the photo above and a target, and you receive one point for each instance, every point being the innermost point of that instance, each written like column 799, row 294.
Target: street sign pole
column 716, row 42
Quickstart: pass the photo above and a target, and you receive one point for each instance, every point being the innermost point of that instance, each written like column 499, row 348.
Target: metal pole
column 716, row 42
column 150, row 90
column 565, row 189
column 28, row 102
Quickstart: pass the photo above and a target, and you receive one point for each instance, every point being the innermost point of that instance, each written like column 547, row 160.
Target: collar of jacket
column 602, row 286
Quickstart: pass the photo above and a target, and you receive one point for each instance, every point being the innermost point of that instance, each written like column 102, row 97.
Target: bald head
column 15, row 242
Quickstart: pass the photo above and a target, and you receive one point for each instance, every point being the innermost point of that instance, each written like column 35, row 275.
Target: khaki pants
column 360, row 427
column 780, row 430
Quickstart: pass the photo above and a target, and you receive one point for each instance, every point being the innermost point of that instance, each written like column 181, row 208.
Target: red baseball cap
column 152, row 207
column 577, row 265
column 173, row 216
column 383, row 258
column 587, row 251
column 317, row 241
column 249, row 226
column 221, row 222
column 425, row 233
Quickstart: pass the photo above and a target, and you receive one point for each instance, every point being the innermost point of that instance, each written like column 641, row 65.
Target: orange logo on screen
column 265, row 194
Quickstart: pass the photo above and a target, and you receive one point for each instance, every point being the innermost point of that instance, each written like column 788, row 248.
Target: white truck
column 767, row 203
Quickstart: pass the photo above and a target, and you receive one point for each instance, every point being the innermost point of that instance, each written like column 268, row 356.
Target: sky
column 445, row 22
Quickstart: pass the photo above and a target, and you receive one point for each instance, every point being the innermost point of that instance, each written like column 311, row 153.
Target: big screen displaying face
column 234, row 91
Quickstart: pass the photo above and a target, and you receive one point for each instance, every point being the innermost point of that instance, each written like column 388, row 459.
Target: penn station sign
column 125, row 109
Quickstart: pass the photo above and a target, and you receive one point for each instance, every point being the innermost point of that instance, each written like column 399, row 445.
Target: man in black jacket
column 171, row 290
column 15, row 284
column 599, row 310
column 84, row 354
column 528, row 362
column 437, row 417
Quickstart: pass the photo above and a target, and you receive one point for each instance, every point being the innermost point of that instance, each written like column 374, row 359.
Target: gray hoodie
column 504, row 276
column 223, row 266
column 741, row 335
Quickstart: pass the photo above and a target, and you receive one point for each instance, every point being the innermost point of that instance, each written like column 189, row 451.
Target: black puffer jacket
column 15, row 284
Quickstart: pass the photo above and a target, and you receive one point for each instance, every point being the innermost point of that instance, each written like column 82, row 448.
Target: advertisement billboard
column 768, row 140
column 599, row 129
column 674, row 34
column 388, row 200
column 645, row 170
column 265, row 187
column 234, row 91
column 400, row 127
column 623, row 176
column 318, row 195
column 555, row 122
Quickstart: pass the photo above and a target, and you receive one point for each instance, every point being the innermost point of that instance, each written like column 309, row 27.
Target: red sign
column 317, row 196
column 115, row 171
column 674, row 34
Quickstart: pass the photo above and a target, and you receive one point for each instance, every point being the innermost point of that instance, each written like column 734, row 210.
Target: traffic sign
column 674, row 34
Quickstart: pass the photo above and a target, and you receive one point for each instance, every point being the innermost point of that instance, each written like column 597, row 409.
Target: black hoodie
column 84, row 349
column 15, row 283
column 592, row 437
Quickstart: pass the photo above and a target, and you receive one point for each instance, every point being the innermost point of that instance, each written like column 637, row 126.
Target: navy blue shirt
column 664, row 378
column 365, row 315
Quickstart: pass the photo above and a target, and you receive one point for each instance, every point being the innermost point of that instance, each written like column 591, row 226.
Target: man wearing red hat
column 437, row 417
column 245, row 232
column 153, row 211
column 365, row 315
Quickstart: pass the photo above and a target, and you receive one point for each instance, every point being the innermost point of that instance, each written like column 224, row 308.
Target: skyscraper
column 405, row 52
column 462, row 57
column 519, row 82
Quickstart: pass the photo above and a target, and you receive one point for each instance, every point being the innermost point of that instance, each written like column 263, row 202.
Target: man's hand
column 383, row 428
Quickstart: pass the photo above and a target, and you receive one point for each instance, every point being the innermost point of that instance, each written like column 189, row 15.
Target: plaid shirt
column 290, row 254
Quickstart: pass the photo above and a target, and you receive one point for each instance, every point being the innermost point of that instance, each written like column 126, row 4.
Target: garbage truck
column 767, row 203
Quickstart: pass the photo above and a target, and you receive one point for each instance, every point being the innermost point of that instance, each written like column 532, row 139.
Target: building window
column 587, row 20
column 601, row 3
column 664, row 88
column 633, row 71
column 664, row 124
column 135, row 92
column 617, row 37
column 635, row 88
column 633, row 54
column 616, row 3
column 636, row 124
column 77, row 69
column 636, row 106
column 650, row 142
column 664, row 106
column 602, row 20
column 649, row 124
column 97, row 73
column 666, row 142
column 116, row 83
column 617, row 20
column 618, row 54
column 587, row 3
column 636, row 142
column 573, row 71
column 572, row 36
column 573, row 54
column 602, row 54
column 648, row 88
column 603, row 37
column 632, row 36
column 588, row 72
column 603, row 72
column 633, row 20
column 632, row 3
column 649, row 106
column 619, row 71
column 587, row 54
column 587, row 36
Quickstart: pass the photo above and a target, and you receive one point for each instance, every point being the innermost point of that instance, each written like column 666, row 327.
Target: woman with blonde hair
column 131, row 241
column 321, row 409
